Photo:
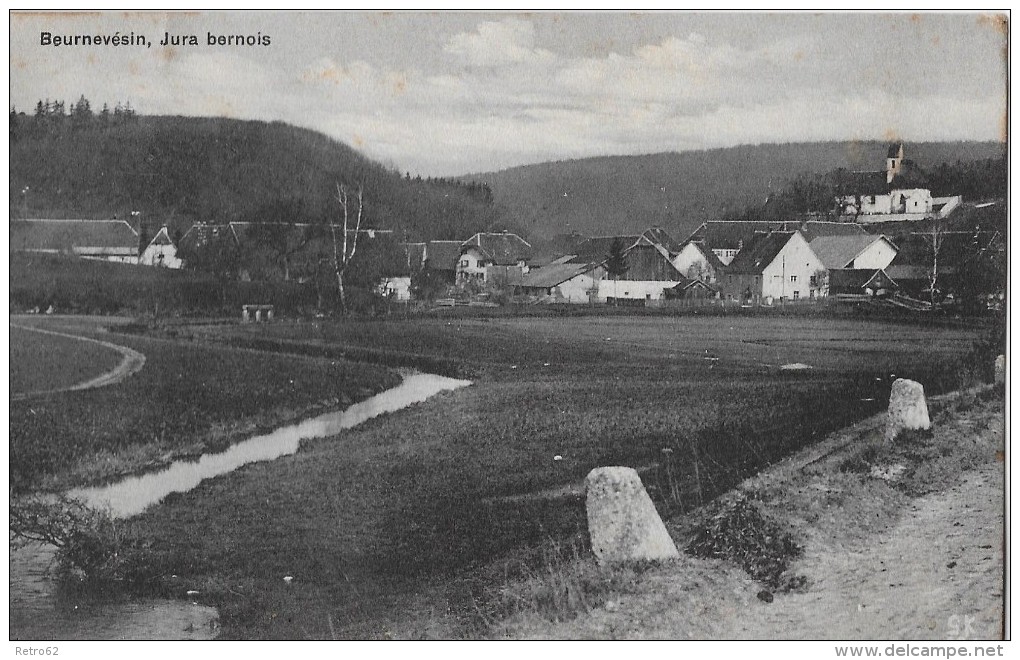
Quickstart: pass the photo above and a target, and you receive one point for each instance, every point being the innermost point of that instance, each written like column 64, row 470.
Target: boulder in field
column 622, row 521
column 908, row 409
column 1000, row 369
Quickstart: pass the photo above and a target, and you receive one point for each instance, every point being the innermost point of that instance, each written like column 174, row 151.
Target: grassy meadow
column 186, row 400
column 402, row 527
column 41, row 362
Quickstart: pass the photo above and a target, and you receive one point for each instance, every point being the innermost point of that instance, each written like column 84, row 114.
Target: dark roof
column 597, row 249
column 648, row 263
column 854, row 279
column 549, row 276
column 838, row 251
column 813, row 229
column 868, row 183
column 904, row 272
column 757, row 255
column 502, row 249
column 732, row 234
column 103, row 235
column 443, row 255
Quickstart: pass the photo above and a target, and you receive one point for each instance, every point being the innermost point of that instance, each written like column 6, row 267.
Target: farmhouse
column 863, row 251
column 582, row 277
column 493, row 257
column 697, row 262
column 564, row 282
column 869, row 282
column 160, row 251
column 725, row 238
column 106, row 240
column 776, row 266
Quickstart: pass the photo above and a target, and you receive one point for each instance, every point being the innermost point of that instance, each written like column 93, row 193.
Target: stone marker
column 1000, row 369
column 622, row 521
column 907, row 408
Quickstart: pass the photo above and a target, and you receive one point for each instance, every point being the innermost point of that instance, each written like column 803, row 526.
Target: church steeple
column 893, row 161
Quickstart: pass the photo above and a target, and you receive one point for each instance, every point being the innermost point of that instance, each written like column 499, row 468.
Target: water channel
column 37, row 611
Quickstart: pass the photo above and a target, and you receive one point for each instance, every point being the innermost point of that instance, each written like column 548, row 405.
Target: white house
column 910, row 201
column 161, row 252
column 697, row 262
column 779, row 266
column 501, row 257
column 854, row 252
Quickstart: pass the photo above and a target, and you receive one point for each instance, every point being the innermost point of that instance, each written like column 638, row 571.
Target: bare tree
column 934, row 239
column 343, row 251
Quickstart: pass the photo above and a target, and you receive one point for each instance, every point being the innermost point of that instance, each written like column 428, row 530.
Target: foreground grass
column 400, row 527
column 838, row 499
column 186, row 400
column 40, row 362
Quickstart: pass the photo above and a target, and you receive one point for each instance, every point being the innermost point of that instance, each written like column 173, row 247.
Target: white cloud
column 496, row 44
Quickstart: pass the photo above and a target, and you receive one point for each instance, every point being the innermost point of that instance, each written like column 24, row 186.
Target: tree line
column 55, row 116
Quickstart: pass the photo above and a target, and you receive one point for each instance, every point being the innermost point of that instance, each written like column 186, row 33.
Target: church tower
column 893, row 161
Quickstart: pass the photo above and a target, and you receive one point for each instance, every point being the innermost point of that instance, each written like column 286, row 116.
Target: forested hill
column 678, row 191
column 179, row 170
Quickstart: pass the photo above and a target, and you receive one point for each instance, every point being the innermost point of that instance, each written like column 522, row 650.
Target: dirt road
column 132, row 363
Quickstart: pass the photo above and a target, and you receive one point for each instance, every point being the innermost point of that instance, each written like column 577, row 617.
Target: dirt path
column 132, row 363
column 937, row 574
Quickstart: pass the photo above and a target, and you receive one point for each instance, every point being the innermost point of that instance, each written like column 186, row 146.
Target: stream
column 38, row 612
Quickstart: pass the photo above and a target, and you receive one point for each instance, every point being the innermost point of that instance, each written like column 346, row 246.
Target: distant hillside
column 678, row 191
column 179, row 170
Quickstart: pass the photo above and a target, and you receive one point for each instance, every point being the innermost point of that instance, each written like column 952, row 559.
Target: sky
column 452, row 93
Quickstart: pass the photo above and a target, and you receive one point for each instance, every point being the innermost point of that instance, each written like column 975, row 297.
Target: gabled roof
column 813, row 229
column 859, row 278
column 554, row 274
column 443, row 255
column 761, row 252
column 659, row 236
column 732, row 234
column 597, row 249
column 711, row 257
column 839, row 251
column 868, row 183
column 161, row 238
column 106, row 235
column 502, row 249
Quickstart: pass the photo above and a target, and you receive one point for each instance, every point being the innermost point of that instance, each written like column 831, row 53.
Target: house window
column 796, row 295
column 814, row 280
column 481, row 264
column 464, row 263
column 793, row 278
column 811, row 294
column 730, row 280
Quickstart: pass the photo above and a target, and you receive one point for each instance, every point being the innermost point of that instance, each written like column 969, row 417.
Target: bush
column 737, row 531
column 90, row 546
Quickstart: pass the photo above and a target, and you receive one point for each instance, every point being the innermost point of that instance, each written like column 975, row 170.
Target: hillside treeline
column 79, row 163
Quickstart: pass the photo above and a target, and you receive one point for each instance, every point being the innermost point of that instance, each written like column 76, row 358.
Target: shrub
column 91, row 547
column 738, row 532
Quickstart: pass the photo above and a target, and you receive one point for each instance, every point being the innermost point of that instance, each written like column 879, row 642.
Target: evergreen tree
column 616, row 265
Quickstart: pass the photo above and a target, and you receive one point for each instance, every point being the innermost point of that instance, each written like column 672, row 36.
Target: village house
column 777, row 266
column 500, row 258
column 697, row 262
column 160, row 252
column 725, row 238
column 867, row 251
column 583, row 277
column 105, row 240
column 869, row 282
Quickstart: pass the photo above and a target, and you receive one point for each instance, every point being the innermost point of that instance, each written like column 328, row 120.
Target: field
column 40, row 362
column 399, row 528
column 187, row 399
